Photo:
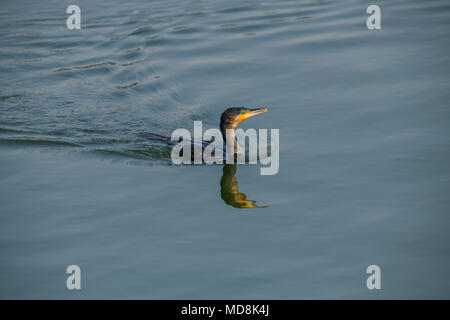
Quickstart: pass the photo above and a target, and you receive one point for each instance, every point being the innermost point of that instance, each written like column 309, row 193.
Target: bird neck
column 230, row 127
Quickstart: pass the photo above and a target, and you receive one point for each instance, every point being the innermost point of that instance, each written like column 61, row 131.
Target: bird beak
column 254, row 112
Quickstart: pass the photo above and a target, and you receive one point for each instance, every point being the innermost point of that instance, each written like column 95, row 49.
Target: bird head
column 233, row 116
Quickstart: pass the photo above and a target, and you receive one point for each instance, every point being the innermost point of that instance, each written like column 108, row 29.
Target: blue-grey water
column 364, row 178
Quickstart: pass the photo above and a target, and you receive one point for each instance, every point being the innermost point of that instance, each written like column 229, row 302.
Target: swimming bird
column 229, row 120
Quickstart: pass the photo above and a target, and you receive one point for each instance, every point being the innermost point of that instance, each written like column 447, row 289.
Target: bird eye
column 243, row 112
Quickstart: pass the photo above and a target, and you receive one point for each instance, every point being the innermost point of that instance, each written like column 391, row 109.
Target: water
column 364, row 149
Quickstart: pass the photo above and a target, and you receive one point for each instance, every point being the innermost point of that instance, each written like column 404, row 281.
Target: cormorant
column 229, row 189
column 229, row 120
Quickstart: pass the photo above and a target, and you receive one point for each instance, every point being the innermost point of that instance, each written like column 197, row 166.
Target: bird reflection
column 229, row 189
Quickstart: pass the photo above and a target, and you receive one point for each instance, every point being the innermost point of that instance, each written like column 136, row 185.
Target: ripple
column 134, row 50
column 130, row 63
column 12, row 96
column 127, row 85
column 141, row 30
column 16, row 130
column 90, row 66
column 162, row 154
column 236, row 9
column 28, row 141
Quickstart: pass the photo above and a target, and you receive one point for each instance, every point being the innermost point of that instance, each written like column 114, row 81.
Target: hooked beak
column 254, row 112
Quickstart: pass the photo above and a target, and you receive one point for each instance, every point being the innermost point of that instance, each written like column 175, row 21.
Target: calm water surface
column 364, row 121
